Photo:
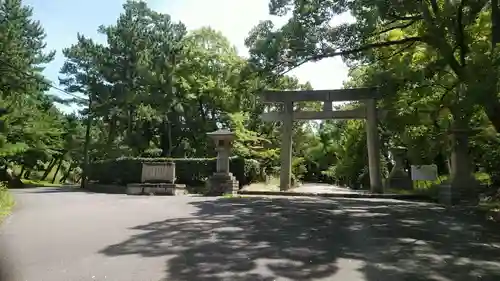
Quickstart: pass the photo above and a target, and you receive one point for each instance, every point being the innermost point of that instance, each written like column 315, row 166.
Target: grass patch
column 271, row 185
column 430, row 188
column 261, row 186
column 38, row 183
column 400, row 191
column 229, row 195
column 6, row 202
column 431, row 192
column 491, row 209
column 37, row 174
column 493, row 206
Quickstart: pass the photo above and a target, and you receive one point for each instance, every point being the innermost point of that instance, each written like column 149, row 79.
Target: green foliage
column 152, row 153
column 488, row 155
column 299, row 169
column 6, row 201
column 173, row 87
column 38, row 183
column 431, row 75
column 154, row 90
column 189, row 171
column 32, row 130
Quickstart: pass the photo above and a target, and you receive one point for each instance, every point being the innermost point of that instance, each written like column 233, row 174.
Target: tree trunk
column 495, row 23
column 27, row 174
column 49, row 168
column 166, row 138
column 148, row 134
column 202, row 111
column 57, row 170
column 86, row 147
column 130, row 126
column 112, row 131
column 12, row 180
column 492, row 109
column 66, row 175
column 164, row 145
column 22, row 172
column 169, row 134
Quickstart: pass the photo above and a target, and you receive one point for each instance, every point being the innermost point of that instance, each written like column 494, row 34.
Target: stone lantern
column 398, row 178
column 222, row 181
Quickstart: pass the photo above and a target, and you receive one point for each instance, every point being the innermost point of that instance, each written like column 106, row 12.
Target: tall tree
column 456, row 32
column 31, row 123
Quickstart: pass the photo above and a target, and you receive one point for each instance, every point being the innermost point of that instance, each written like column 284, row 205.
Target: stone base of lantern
column 399, row 180
column 156, row 189
column 465, row 192
column 222, row 183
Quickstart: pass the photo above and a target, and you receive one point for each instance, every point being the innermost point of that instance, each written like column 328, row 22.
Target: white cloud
column 236, row 18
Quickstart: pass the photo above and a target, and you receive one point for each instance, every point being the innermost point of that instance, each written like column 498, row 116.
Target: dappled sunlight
column 315, row 239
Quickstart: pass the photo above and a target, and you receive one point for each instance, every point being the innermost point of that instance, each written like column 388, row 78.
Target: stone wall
column 158, row 172
column 106, row 188
column 156, row 189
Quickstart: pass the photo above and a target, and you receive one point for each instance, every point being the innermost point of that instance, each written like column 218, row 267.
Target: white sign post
column 424, row 172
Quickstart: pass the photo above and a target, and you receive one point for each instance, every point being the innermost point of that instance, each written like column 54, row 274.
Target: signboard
column 158, row 172
column 424, row 172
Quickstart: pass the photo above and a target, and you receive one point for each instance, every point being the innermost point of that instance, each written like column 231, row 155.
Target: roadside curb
column 413, row 197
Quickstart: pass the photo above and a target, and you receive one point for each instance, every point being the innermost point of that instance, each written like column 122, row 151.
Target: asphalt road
column 66, row 236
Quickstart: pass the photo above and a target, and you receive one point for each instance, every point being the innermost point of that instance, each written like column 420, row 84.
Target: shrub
column 299, row 169
column 490, row 160
column 189, row 171
column 6, row 201
column 152, row 153
column 251, row 171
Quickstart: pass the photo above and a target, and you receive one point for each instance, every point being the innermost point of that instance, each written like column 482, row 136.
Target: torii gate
column 368, row 112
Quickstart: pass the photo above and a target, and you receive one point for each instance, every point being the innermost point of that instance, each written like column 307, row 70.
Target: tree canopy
column 154, row 89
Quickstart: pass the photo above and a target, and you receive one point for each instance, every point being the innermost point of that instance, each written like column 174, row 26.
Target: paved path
column 322, row 188
column 66, row 236
column 306, row 188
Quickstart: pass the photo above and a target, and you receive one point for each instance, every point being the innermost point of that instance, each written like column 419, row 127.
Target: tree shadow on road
column 318, row 239
column 62, row 189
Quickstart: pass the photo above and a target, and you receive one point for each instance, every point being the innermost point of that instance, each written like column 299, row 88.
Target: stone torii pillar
column 286, row 147
column 288, row 115
column 373, row 143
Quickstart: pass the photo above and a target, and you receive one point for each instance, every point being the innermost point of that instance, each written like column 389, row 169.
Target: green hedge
column 189, row 171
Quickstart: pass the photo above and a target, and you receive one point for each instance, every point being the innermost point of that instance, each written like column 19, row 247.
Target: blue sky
column 62, row 19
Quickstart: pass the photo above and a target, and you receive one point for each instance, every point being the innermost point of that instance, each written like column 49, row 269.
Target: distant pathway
column 305, row 188
column 77, row 236
column 322, row 188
